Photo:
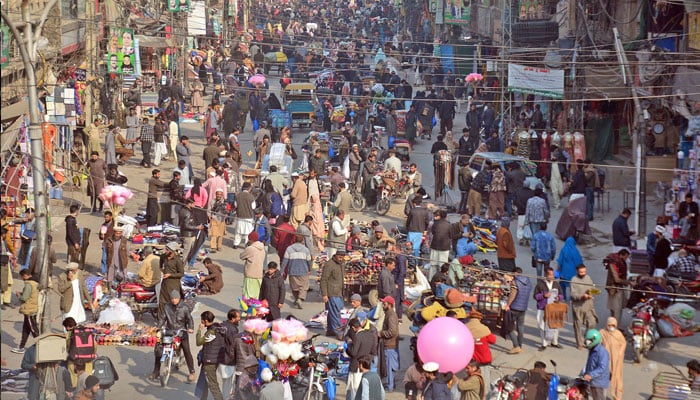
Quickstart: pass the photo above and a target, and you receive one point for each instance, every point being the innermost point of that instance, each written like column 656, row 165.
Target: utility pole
column 27, row 45
column 640, row 202
column 90, row 47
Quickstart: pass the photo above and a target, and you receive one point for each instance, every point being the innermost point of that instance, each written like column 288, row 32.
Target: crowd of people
column 285, row 210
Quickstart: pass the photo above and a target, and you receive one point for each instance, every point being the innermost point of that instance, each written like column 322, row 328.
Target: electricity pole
column 27, row 45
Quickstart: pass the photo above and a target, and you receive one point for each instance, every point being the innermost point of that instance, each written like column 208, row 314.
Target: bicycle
column 358, row 200
column 172, row 354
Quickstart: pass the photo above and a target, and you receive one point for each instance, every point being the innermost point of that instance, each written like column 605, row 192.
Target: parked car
column 478, row 160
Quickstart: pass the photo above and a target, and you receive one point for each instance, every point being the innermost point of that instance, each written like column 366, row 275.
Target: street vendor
column 173, row 271
column 380, row 239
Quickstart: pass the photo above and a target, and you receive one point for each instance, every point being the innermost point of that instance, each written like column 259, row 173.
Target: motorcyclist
column 597, row 369
column 176, row 315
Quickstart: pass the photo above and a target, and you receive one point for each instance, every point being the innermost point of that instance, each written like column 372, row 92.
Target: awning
column 11, row 134
column 14, row 110
column 605, row 83
column 154, row 42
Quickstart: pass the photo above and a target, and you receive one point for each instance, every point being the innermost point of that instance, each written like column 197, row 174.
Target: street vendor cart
column 491, row 290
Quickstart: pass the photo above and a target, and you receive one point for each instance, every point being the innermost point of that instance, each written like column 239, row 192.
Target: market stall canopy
column 275, row 56
column 14, row 110
column 603, row 82
column 685, row 79
column 154, row 42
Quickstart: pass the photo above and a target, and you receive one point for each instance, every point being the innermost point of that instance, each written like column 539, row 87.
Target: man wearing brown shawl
column 615, row 343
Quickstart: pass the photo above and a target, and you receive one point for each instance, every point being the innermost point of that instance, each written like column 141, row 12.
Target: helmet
column 593, row 338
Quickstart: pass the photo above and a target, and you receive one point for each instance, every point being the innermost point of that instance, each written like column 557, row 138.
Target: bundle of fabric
column 485, row 234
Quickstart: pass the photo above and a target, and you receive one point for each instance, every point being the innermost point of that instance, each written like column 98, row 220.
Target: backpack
column 103, row 369
column 82, row 344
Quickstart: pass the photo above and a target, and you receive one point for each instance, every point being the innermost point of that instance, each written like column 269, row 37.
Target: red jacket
column 482, row 351
column 285, row 236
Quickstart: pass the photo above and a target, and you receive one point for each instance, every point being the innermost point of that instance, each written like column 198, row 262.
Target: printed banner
column 535, row 80
column 457, row 12
column 121, row 50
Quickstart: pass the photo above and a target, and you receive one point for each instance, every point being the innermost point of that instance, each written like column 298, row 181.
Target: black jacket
column 176, row 317
column 272, row 288
column 364, row 343
column 418, row 219
column 72, row 231
column 177, row 192
column 521, row 198
column 230, row 338
column 385, row 285
column 442, row 238
column 213, row 342
column 188, row 222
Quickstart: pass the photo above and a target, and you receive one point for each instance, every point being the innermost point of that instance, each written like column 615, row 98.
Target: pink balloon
column 446, row 341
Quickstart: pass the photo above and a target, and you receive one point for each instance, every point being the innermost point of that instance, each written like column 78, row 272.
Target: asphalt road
column 135, row 363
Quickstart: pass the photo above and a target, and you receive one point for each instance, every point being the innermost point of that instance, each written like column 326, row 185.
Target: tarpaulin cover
column 599, row 138
column 573, row 219
column 605, row 82
column 685, row 79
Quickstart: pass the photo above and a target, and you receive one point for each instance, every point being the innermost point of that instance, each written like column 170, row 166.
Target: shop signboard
column 457, row 12
column 178, row 5
column 536, row 80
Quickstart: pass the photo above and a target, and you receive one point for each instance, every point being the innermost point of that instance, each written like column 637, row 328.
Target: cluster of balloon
column 447, row 342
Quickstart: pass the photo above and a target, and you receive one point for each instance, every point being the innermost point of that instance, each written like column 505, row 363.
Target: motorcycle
column 642, row 331
column 139, row 298
column 388, row 189
column 172, row 354
column 511, row 387
column 317, row 370
column 565, row 388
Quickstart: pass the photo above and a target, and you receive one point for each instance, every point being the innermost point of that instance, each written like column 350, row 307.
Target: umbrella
column 275, row 56
column 257, row 79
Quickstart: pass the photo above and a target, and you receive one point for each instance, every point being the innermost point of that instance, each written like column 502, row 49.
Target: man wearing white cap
column 271, row 389
column 74, row 293
column 663, row 250
column 434, row 388
column 213, row 184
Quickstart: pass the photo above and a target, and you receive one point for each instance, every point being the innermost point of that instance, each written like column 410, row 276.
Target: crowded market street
column 133, row 363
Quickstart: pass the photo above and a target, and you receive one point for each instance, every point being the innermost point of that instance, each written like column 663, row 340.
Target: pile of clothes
column 485, row 234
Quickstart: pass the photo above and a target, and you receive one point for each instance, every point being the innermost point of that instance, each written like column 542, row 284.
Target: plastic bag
column 346, row 167
column 116, row 312
column 330, row 388
column 527, row 233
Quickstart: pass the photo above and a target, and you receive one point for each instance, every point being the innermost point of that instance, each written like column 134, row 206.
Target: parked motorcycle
column 565, row 388
column 139, row 298
column 511, row 387
column 642, row 331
